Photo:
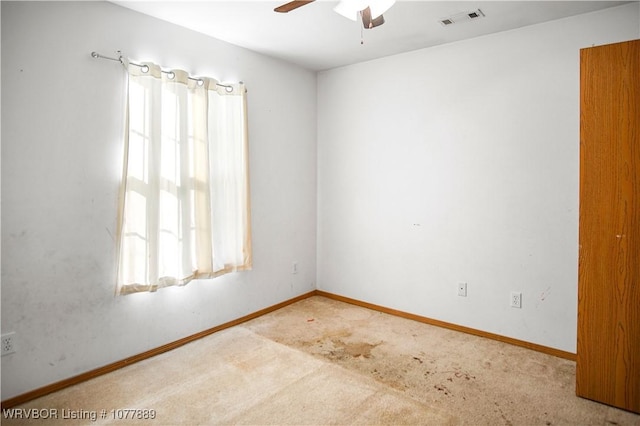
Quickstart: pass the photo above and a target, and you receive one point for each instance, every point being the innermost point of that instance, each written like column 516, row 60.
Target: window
column 185, row 192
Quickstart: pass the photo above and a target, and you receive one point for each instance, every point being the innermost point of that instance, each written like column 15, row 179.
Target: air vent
column 461, row 17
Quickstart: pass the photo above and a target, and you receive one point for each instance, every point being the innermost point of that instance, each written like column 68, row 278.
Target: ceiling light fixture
column 369, row 11
column 351, row 9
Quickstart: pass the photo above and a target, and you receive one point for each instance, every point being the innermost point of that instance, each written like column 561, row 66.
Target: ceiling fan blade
column 288, row 7
column 368, row 22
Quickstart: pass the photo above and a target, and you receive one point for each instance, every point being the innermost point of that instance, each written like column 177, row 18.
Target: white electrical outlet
column 516, row 299
column 8, row 343
column 462, row 289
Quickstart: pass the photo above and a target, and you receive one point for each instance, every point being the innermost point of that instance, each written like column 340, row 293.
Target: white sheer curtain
column 185, row 198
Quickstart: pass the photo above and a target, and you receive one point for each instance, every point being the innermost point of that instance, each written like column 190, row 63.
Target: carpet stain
column 443, row 389
column 464, row 375
column 507, row 422
column 536, row 368
column 347, row 350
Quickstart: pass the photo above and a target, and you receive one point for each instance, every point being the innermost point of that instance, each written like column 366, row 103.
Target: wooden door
column 608, row 361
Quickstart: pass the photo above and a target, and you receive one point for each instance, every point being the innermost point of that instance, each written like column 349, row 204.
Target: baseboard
column 533, row 346
column 37, row 393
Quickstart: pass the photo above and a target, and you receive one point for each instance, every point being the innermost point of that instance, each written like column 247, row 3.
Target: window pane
column 138, row 157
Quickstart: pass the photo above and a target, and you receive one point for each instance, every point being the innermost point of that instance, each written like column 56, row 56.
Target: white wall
column 460, row 163
column 61, row 165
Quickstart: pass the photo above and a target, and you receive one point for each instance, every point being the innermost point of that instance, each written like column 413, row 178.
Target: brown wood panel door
column 608, row 361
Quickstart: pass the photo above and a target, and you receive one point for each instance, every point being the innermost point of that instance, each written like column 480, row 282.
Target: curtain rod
column 120, row 59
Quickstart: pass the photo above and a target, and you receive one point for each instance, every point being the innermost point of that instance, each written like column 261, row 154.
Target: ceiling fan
column 370, row 11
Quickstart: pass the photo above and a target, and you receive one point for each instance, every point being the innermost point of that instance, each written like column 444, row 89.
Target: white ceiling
column 317, row 38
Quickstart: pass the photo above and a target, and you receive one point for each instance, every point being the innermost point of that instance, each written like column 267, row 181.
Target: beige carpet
column 320, row 362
